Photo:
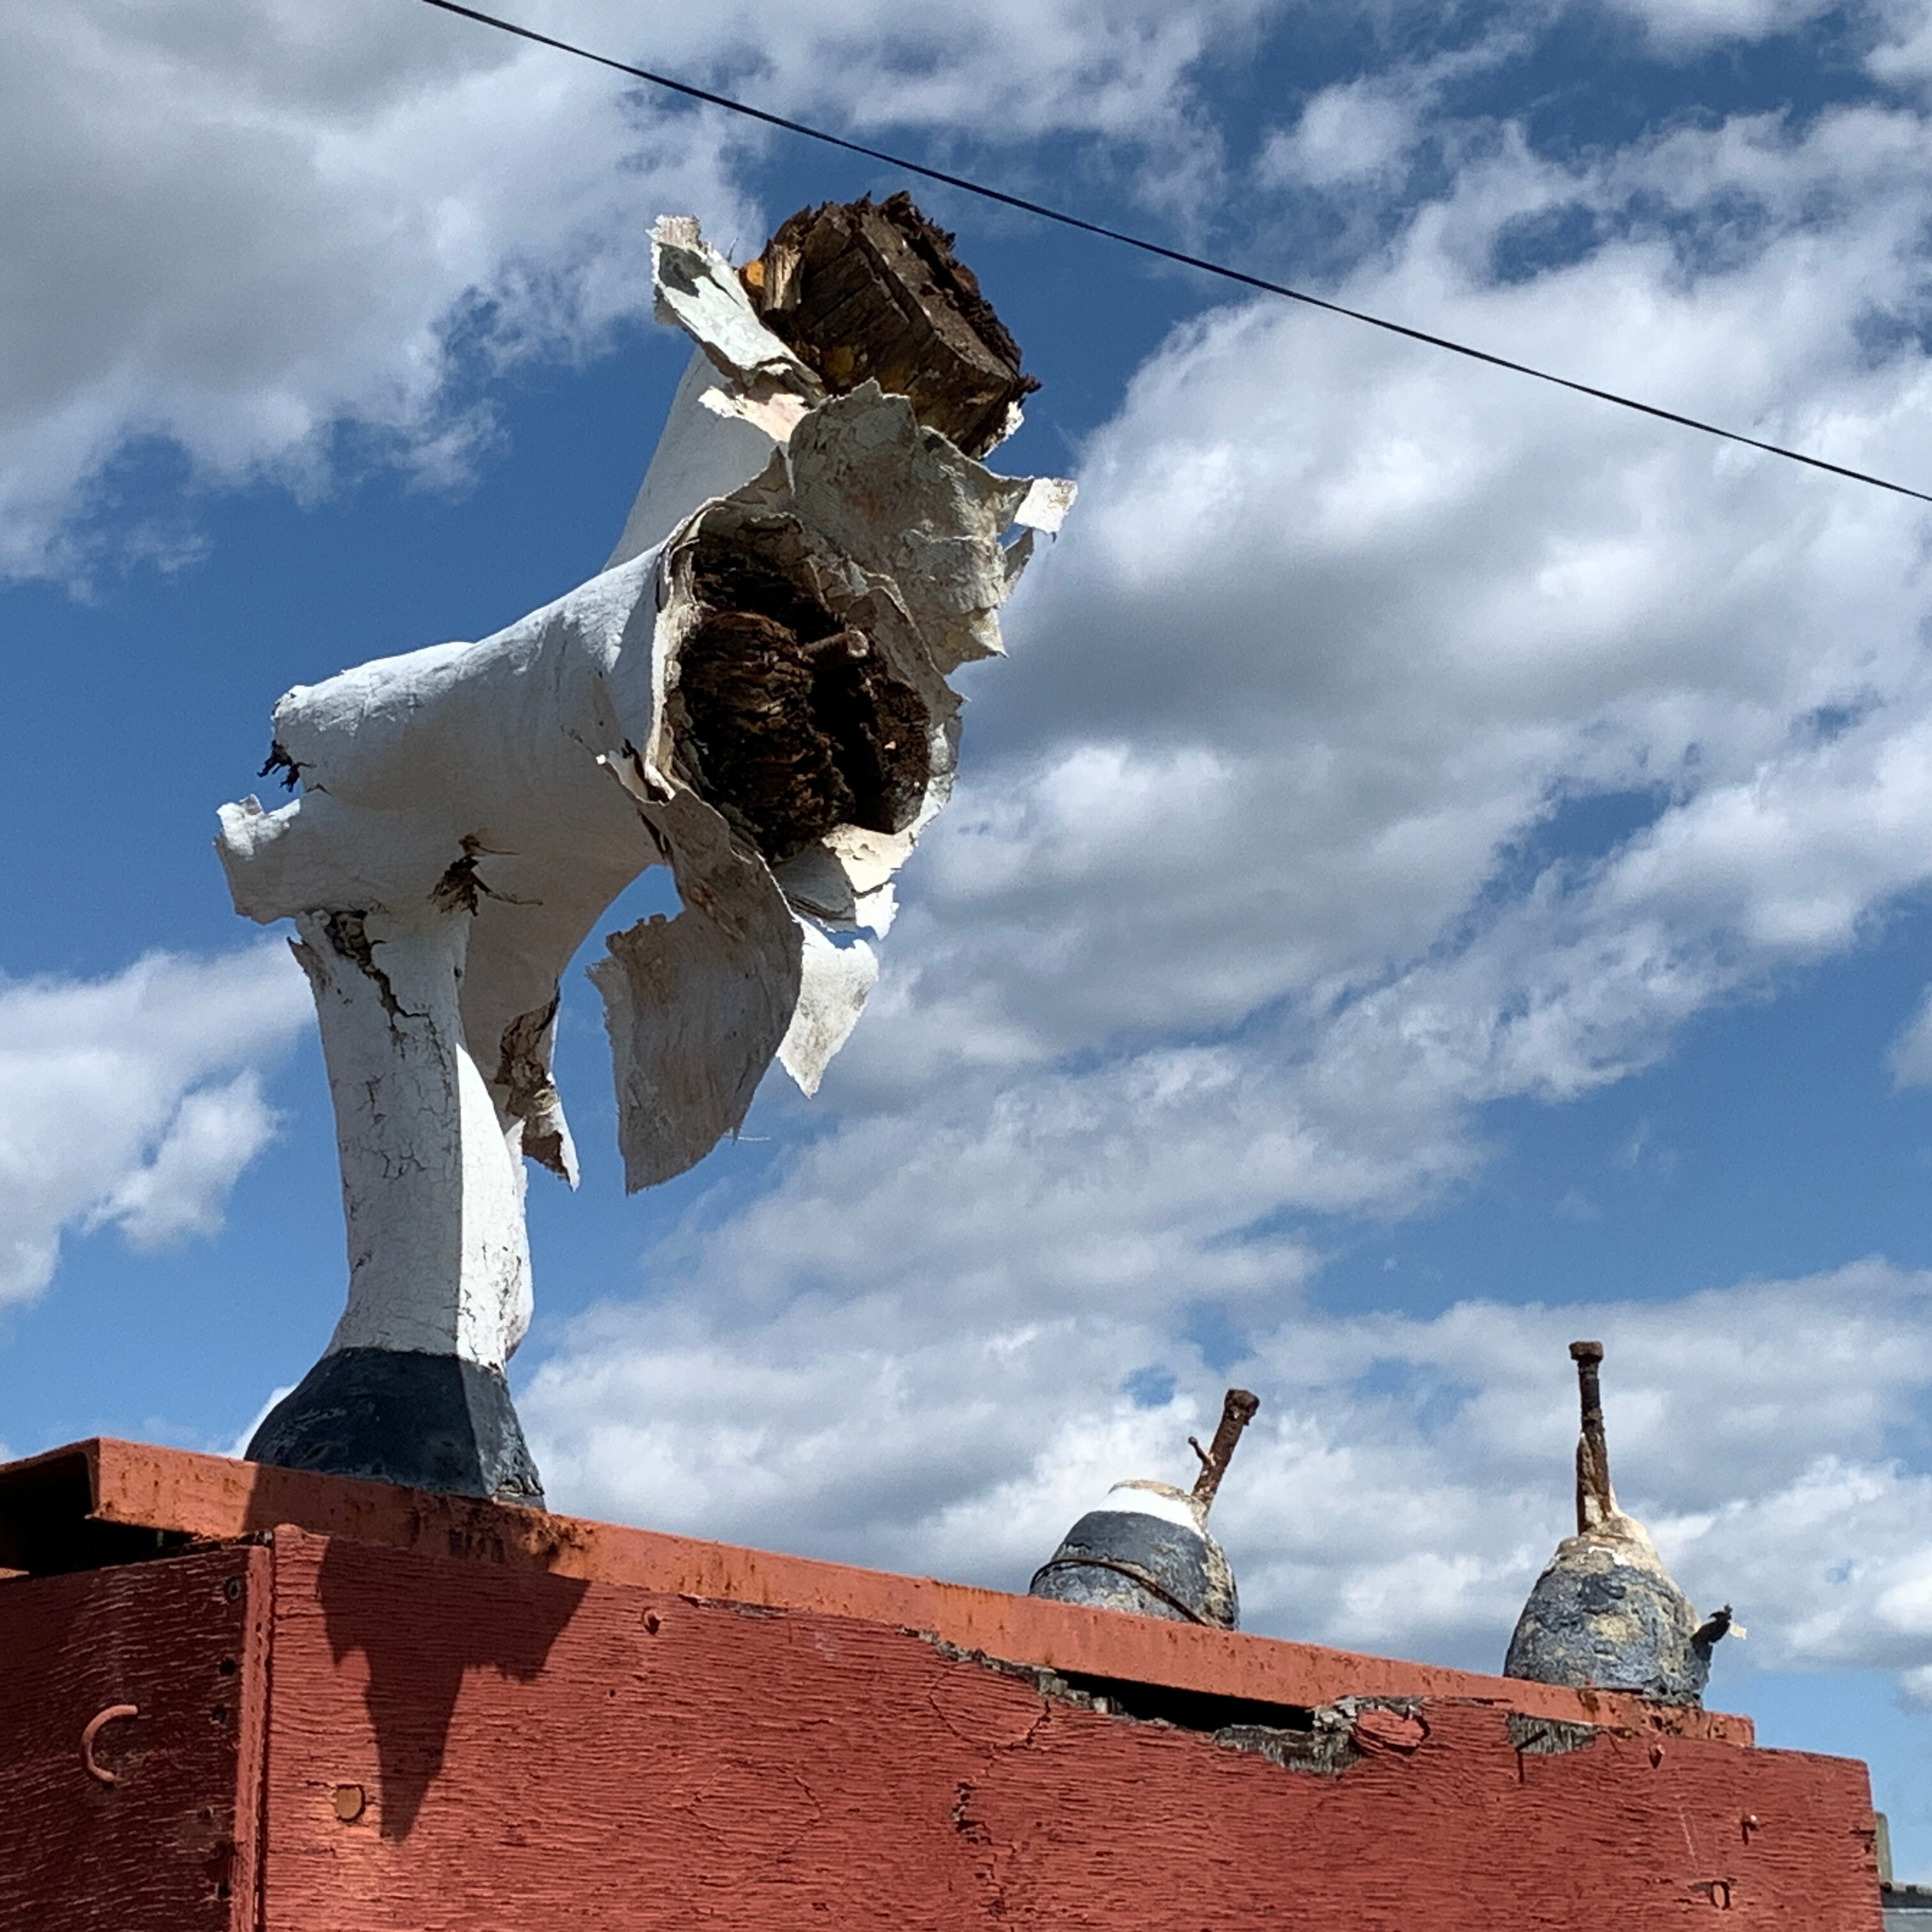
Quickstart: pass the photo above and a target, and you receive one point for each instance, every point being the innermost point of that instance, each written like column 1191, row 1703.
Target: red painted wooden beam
column 135, row 1703
column 438, row 1716
column 133, row 1489
column 464, row 1749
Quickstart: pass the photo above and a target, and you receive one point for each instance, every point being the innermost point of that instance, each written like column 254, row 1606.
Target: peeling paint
column 530, row 1094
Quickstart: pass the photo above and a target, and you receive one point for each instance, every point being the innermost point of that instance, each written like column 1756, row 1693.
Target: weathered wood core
column 791, row 722
column 859, row 290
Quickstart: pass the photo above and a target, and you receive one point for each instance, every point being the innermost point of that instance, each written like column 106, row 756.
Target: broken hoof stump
column 1606, row 1614
column 1147, row 1550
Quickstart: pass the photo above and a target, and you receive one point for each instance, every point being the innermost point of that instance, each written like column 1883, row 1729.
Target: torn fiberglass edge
column 752, row 692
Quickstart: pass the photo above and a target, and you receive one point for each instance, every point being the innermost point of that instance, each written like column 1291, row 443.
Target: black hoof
column 429, row 1422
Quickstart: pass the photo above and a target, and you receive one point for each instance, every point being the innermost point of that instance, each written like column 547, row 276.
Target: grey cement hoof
column 428, row 1422
column 1596, row 1619
column 1606, row 1614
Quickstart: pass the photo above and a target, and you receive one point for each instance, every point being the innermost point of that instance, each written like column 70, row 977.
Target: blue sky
column 1444, row 869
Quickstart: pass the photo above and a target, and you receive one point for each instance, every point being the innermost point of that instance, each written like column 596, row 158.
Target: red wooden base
column 443, row 1724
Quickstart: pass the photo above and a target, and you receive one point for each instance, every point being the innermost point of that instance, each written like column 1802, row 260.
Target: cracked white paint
column 432, row 1182
column 470, row 811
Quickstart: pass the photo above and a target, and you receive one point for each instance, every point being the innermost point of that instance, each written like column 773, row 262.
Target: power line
column 1155, row 248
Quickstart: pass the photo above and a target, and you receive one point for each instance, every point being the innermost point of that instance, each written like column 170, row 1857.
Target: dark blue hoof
column 429, row 1422
column 1146, row 1553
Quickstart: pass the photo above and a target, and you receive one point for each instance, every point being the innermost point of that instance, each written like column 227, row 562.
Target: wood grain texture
column 478, row 1747
column 170, row 1844
column 130, row 1487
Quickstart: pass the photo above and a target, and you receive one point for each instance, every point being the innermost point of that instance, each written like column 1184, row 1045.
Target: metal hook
column 95, row 1726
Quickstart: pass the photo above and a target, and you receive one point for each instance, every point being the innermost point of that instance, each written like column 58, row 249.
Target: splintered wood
column 861, row 291
column 787, row 721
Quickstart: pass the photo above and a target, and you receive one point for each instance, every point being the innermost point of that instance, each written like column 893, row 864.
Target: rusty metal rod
column 1237, row 1410
column 1595, row 1500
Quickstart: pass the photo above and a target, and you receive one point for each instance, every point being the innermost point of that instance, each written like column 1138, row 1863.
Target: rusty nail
column 351, row 1801
column 96, row 1725
column 1594, row 1500
column 652, row 1624
column 1237, row 1410
column 1656, row 1754
column 231, row 1589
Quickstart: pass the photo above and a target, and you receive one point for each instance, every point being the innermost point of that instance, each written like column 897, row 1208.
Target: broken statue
column 752, row 692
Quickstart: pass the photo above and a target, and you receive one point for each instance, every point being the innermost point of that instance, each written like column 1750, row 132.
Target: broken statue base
column 247, row 1699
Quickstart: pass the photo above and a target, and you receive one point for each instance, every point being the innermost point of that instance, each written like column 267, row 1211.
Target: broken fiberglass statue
column 753, row 693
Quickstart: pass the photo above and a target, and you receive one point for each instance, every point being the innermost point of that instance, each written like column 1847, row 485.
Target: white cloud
column 134, row 1100
column 1902, row 55
column 1355, row 131
column 180, row 1190
column 1683, row 28
column 1385, row 737
column 1404, row 1482
column 238, row 228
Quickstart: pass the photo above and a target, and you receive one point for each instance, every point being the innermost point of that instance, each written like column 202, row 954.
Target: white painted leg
column 432, row 1176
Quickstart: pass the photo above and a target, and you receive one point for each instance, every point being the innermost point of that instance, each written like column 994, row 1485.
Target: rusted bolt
column 231, row 1589
column 96, row 1725
column 351, row 1801
column 1237, row 1410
